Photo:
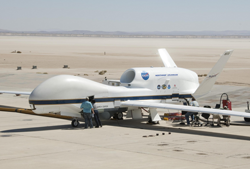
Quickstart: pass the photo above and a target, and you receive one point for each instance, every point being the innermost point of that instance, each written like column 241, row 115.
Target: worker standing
column 87, row 113
column 216, row 116
column 97, row 119
column 192, row 103
column 226, row 118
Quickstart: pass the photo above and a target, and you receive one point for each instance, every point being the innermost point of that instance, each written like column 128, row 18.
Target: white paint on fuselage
column 52, row 94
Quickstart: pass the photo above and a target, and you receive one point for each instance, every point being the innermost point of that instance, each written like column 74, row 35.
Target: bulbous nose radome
column 66, row 87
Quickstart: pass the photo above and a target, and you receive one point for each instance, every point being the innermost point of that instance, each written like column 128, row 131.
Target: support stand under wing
column 137, row 114
column 154, row 115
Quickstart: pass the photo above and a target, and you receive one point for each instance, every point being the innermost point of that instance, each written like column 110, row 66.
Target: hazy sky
column 125, row 15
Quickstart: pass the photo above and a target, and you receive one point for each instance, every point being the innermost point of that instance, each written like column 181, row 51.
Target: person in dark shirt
column 96, row 115
column 193, row 103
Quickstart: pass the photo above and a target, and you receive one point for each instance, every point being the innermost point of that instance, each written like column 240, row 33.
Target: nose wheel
column 74, row 123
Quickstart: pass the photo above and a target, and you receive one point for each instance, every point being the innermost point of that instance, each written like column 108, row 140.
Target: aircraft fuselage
column 63, row 94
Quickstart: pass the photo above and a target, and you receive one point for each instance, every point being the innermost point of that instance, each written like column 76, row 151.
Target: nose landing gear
column 74, row 123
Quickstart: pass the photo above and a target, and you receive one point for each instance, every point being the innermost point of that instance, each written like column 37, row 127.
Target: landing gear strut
column 74, row 123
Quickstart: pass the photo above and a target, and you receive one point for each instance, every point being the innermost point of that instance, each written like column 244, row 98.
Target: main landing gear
column 247, row 119
column 74, row 123
column 118, row 116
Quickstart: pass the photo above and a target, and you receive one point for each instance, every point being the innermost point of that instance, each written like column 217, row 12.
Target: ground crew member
column 193, row 103
column 97, row 119
column 218, row 117
column 87, row 113
column 226, row 118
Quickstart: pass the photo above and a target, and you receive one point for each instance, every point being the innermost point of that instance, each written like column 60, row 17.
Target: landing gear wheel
column 247, row 119
column 118, row 116
column 74, row 123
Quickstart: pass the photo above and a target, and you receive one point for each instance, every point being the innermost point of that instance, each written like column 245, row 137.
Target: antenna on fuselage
column 166, row 58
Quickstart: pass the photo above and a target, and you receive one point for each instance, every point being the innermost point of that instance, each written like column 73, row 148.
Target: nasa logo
column 169, row 87
column 159, row 87
column 164, row 86
column 145, row 75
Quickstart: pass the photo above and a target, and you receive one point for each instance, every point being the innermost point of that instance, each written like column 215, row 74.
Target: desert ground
column 86, row 56
column 28, row 141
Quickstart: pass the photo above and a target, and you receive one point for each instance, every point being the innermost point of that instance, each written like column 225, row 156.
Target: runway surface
column 28, row 141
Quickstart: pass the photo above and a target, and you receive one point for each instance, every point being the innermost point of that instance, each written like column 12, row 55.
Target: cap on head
column 87, row 98
column 225, row 107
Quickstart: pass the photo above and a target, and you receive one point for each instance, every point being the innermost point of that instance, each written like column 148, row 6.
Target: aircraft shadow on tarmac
column 135, row 124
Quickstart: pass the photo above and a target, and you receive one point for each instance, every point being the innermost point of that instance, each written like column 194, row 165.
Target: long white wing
column 184, row 108
column 166, row 58
column 15, row 92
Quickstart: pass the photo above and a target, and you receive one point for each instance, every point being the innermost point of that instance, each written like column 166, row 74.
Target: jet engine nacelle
column 137, row 77
column 158, row 78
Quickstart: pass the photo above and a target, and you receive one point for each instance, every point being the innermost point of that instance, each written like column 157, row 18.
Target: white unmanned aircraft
column 146, row 87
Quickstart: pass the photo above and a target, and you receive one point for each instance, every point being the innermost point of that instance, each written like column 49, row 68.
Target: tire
column 74, row 123
column 118, row 116
column 228, row 123
column 247, row 119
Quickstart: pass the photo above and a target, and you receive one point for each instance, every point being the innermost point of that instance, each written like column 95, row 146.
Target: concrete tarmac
column 28, row 141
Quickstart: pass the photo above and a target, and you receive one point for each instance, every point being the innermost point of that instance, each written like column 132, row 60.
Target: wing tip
column 228, row 52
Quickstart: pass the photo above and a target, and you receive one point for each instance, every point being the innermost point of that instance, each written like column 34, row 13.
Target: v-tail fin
column 211, row 78
column 166, row 58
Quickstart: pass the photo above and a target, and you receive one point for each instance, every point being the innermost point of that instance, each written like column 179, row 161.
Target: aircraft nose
column 64, row 89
